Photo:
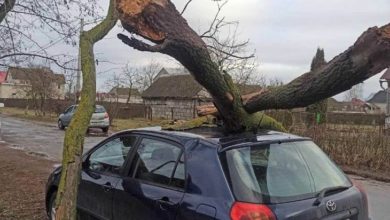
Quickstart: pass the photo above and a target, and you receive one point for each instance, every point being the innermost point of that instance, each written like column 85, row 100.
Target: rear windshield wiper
column 324, row 191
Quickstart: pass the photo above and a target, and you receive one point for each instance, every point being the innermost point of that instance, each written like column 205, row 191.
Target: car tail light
column 249, row 211
column 106, row 115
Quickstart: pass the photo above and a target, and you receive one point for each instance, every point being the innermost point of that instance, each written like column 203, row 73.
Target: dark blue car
column 142, row 175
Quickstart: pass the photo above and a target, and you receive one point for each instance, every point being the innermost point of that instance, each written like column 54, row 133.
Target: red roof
column 3, row 76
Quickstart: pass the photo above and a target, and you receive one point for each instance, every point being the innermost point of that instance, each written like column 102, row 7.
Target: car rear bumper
column 99, row 123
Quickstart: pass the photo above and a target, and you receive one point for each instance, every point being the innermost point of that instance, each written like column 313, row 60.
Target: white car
column 100, row 118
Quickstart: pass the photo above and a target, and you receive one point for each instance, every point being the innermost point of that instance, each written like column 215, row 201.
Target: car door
column 67, row 116
column 155, row 186
column 101, row 171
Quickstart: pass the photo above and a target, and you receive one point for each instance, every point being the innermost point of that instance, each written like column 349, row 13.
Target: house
column 379, row 99
column 124, row 95
column 177, row 95
column 22, row 83
column 353, row 106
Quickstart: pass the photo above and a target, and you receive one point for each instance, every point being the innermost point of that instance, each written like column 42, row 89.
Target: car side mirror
column 85, row 164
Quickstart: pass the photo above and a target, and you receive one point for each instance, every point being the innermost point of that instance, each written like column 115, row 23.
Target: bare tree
column 54, row 20
column 41, row 85
column 368, row 56
column 112, row 83
column 131, row 78
column 148, row 74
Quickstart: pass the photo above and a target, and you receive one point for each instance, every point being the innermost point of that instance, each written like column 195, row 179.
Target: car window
column 111, row 156
column 281, row 172
column 100, row 109
column 68, row 109
column 160, row 162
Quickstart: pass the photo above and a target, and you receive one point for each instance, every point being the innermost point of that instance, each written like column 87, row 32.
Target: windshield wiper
column 324, row 191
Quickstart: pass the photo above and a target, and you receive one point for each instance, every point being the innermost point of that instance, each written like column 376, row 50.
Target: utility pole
column 78, row 77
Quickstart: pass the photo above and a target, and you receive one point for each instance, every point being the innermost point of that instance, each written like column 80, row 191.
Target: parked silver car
column 100, row 118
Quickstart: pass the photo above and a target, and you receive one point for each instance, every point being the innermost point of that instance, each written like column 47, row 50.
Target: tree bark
column 367, row 57
column 159, row 22
column 74, row 137
column 6, row 7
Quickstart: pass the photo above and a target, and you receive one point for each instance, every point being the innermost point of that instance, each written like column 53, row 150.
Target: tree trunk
column 74, row 137
column 159, row 22
column 6, row 7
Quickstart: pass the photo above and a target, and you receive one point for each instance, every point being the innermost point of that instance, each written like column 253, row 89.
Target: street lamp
column 385, row 79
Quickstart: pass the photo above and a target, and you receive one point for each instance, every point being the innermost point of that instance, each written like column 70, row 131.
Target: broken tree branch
column 367, row 57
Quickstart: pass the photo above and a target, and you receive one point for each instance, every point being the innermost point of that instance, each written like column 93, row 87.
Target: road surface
column 39, row 138
column 47, row 140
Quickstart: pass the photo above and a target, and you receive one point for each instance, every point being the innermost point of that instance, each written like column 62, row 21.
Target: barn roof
column 124, row 91
column 379, row 97
column 184, row 86
column 176, row 86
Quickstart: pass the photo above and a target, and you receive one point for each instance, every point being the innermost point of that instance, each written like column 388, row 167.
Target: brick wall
column 174, row 109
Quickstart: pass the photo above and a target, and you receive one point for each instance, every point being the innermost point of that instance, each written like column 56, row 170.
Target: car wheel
column 61, row 125
column 105, row 130
column 52, row 206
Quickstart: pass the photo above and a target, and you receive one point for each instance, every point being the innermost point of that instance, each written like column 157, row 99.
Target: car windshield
column 280, row 172
column 100, row 109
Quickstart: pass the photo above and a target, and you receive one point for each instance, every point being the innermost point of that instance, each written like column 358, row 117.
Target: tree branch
column 185, row 7
column 367, row 57
column 142, row 46
column 40, row 56
column 231, row 54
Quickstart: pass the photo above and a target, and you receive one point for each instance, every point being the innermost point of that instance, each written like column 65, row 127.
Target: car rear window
column 280, row 172
column 100, row 109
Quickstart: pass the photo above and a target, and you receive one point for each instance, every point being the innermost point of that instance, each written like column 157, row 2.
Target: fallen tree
column 159, row 22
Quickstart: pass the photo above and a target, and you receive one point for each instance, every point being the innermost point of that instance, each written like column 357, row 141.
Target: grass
column 123, row 124
column 29, row 115
column 355, row 146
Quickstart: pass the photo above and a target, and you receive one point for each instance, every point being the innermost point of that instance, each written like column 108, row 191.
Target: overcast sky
column 285, row 33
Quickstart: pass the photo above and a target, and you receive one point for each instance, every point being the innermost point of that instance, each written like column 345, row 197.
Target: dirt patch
column 23, row 179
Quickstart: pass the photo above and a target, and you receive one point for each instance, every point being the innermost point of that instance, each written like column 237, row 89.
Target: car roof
column 216, row 136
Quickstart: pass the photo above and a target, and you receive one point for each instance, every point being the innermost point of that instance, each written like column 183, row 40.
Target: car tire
column 61, row 125
column 105, row 130
column 51, row 211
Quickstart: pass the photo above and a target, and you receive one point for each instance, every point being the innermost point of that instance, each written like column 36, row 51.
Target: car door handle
column 107, row 187
column 165, row 201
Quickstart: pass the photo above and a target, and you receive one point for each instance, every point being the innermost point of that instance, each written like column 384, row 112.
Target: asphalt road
column 47, row 140
column 40, row 138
